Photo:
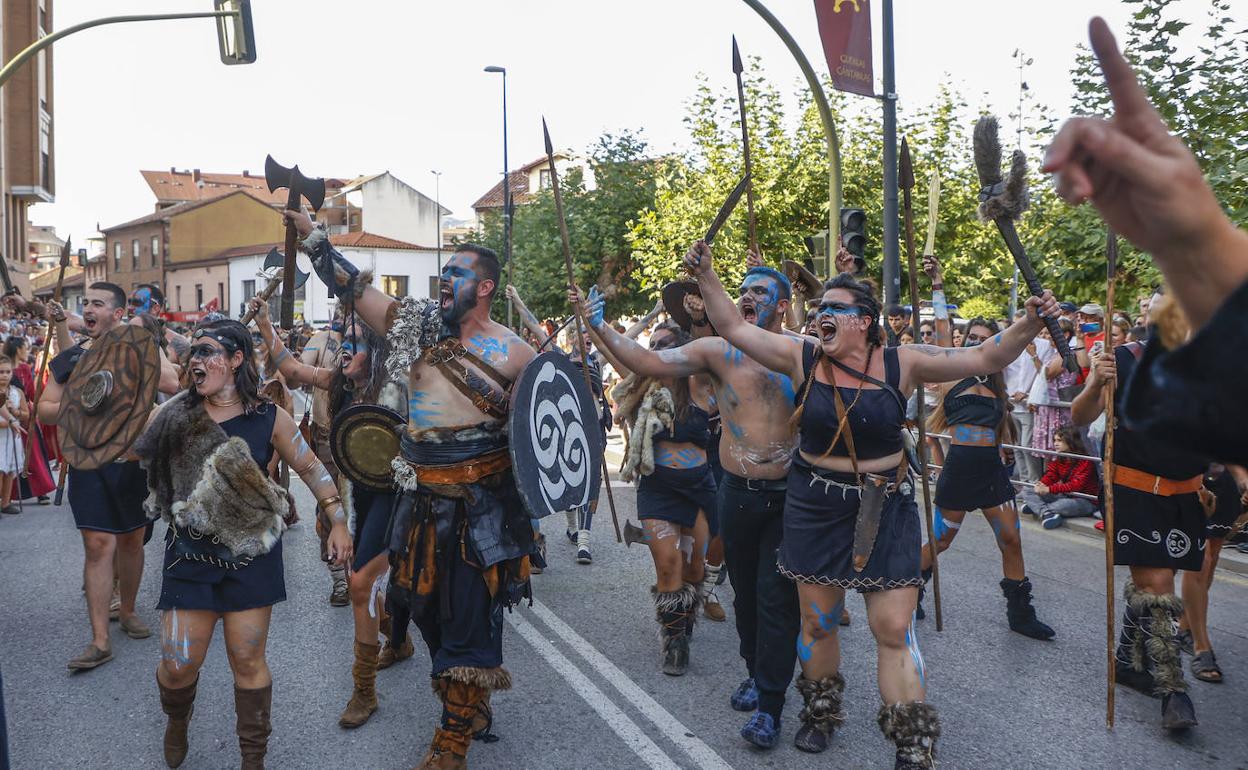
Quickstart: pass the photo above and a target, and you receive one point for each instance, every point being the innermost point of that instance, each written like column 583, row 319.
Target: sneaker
column 571, row 535
column 761, row 730
column 583, row 556
column 1051, row 521
column 135, row 628
column 1027, row 510
column 44, row 500
column 746, row 696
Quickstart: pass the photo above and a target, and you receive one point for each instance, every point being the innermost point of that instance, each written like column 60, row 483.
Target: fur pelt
column 1158, row 647
column 914, row 728
column 199, row 477
column 822, row 699
column 683, row 599
column 416, row 327
column 490, row 679
column 656, row 411
column 999, row 199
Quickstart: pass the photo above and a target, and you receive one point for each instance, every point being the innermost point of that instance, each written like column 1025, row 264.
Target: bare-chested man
column 757, row 441
column 461, row 544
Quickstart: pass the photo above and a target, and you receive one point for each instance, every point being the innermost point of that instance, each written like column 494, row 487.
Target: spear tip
column 737, row 66
column 905, row 169
column 550, row 149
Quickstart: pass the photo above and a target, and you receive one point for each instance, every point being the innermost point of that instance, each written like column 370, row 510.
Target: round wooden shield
column 108, row 397
column 363, row 440
column 556, row 441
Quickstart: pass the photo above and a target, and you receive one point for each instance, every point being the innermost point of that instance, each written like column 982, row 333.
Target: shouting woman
column 850, row 521
column 206, row 451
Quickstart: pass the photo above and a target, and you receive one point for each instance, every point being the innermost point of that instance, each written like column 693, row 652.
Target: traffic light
column 236, row 37
column 854, row 232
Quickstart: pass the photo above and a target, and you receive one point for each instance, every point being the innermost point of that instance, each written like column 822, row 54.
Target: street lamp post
column 437, row 203
column 506, row 186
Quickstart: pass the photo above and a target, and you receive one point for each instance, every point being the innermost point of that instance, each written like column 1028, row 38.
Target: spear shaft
column 738, row 68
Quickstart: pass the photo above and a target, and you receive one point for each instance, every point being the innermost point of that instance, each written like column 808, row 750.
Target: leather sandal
column 1205, row 667
column 90, row 658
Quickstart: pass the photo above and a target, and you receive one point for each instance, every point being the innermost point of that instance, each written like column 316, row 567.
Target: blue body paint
column 973, row 433
column 730, row 396
column 736, row 430
column 421, row 413
column 804, row 651
column 490, row 349
column 732, row 356
column 683, row 458
column 997, row 339
column 785, row 384
column 939, row 525
column 912, row 644
column 828, row 621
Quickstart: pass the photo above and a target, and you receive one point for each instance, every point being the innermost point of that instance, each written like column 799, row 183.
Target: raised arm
column 340, row 275
column 295, row 371
column 294, row 449
column 526, row 316
column 928, row 363
column 677, row 362
column 777, row 352
column 644, row 322
column 1090, row 402
column 944, row 329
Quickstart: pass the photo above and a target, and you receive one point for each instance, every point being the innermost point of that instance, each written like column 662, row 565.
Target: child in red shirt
column 1051, row 498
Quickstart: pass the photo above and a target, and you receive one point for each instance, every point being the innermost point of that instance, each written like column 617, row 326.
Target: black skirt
column 677, row 494
column 820, row 513
column 109, row 498
column 196, row 585
column 372, row 522
column 1155, row 531
column 973, row 478
column 1228, row 509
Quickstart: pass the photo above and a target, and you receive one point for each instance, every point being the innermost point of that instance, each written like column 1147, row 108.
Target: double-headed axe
column 1003, row 200
column 298, row 186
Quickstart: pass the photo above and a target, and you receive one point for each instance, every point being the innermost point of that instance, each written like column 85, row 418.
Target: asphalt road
column 588, row 691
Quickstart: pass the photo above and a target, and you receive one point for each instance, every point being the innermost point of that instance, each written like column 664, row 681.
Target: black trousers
column 765, row 606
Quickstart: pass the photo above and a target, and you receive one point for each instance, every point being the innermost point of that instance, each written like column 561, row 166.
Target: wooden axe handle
column 265, row 294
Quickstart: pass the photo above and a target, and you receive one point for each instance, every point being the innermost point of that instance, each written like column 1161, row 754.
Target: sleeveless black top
column 257, row 430
column 695, row 429
column 962, row 408
column 876, row 419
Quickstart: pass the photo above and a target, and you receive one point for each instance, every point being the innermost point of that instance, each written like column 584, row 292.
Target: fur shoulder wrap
column 415, row 325
column 655, row 410
column 200, row 478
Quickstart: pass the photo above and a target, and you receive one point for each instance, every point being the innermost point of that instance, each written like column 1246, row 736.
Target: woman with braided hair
column 668, row 434
column 359, row 378
column 975, row 411
column 850, row 521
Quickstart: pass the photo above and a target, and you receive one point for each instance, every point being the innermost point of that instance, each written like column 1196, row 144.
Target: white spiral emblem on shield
column 559, row 442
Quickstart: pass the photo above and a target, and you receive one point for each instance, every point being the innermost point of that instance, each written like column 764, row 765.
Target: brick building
column 27, row 157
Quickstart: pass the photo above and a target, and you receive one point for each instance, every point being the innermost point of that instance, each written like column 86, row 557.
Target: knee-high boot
column 465, row 694
column 1131, row 667
column 364, row 694
column 821, row 713
column 676, row 612
column 913, row 727
column 1019, row 612
column 251, row 708
column 178, row 704
column 1159, row 631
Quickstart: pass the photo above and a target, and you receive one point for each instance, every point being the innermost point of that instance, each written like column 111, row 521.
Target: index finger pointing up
column 1130, row 101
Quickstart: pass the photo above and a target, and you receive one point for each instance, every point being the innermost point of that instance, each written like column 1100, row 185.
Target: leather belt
column 755, row 485
column 1155, row 485
column 467, row 472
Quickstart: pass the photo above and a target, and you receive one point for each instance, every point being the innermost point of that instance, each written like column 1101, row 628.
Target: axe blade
column 274, row 260
column 633, row 534
column 276, row 176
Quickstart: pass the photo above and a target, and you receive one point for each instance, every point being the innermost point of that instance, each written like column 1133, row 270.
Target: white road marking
column 628, row 730
column 677, row 733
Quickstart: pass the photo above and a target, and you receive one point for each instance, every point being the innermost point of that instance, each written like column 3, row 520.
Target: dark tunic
column 973, row 477
column 1193, row 397
column 198, row 585
column 1150, row 530
column 109, row 498
column 677, row 494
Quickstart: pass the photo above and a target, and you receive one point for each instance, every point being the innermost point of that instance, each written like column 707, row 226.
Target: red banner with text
column 845, row 29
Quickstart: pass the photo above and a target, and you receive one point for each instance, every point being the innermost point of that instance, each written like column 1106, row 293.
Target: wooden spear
column 1111, row 253
column 42, row 369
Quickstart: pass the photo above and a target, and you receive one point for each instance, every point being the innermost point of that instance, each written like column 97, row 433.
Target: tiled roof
column 519, row 181
column 177, row 186
column 163, row 215
column 357, row 240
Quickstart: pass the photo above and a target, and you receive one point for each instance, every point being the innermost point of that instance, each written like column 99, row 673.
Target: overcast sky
column 347, row 87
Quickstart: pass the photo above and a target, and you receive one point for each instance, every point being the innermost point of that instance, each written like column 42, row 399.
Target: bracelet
column 336, row 499
column 59, row 319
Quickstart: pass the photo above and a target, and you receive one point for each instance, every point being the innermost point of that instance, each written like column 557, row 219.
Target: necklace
column 224, row 403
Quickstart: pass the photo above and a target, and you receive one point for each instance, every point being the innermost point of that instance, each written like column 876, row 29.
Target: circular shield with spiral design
column 556, row 443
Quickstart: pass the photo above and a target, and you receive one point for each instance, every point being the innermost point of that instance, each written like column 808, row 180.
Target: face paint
column 458, row 290
column 141, row 302
column 759, row 298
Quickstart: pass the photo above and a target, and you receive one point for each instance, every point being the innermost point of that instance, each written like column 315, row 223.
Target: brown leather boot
column 178, row 705
column 251, row 708
column 364, row 697
column 461, row 703
column 391, row 654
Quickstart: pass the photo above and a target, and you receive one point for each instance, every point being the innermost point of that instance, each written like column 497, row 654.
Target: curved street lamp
column 506, row 185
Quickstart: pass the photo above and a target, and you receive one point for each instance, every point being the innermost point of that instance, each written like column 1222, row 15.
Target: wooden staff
column 578, row 309
column 41, row 374
column 1111, row 253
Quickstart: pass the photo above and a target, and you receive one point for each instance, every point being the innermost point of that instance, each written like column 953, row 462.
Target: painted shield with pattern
column 556, row 442
column 108, row 397
column 364, row 440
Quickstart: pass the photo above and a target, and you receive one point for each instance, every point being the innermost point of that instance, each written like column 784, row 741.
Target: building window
column 116, row 256
column 249, row 290
column 433, row 286
column 134, row 254
column 543, row 179
column 45, row 152
column 155, row 249
column 199, row 296
column 394, row 285
column 177, row 293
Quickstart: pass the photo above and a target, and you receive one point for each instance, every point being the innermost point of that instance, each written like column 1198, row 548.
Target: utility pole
column 892, row 249
column 437, row 202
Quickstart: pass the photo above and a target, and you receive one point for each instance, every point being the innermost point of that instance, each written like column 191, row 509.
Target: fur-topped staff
column 1002, row 201
column 198, row 477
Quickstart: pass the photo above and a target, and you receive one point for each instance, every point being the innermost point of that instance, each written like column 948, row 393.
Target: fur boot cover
column 486, row 678
column 415, row 327
column 656, row 411
column 914, row 728
column 822, row 698
column 683, row 599
column 1131, row 640
column 1159, row 622
column 199, row 477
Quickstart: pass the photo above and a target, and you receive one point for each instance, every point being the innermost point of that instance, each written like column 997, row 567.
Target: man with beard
column 461, row 541
column 148, row 299
column 107, row 503
column 755, row 447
